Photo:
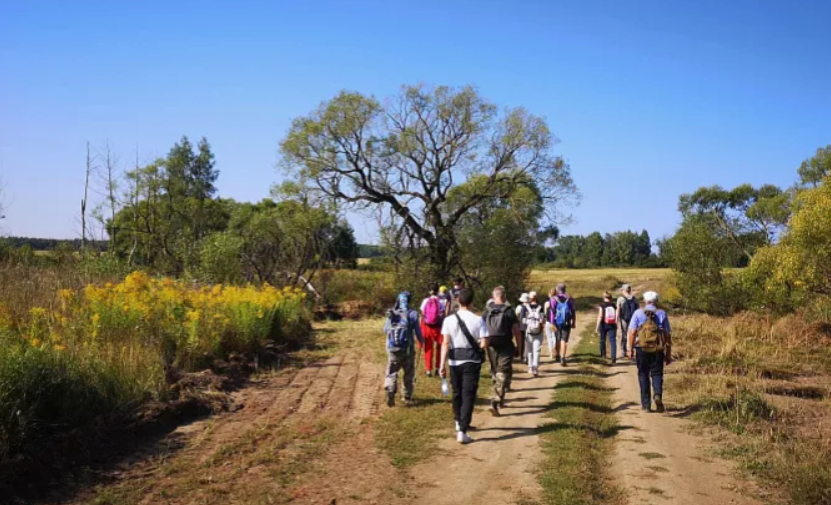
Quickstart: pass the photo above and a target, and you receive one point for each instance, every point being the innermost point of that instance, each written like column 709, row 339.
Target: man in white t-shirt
column 465, row 337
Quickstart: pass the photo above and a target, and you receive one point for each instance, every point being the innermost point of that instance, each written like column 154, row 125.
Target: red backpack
column 432, row 312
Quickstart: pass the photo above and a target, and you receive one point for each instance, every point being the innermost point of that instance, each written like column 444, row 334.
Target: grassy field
column 587, row 285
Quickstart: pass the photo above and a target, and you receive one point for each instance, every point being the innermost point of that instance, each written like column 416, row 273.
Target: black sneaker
column 390, row 399
column 494, row 410
column 659, row 404
column 563, row 362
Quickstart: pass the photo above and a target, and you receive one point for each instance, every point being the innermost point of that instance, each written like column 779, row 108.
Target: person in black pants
column 465, row 338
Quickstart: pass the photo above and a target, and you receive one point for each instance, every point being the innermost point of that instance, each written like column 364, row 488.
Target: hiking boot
column 562, row 361
column 494, row 410
column 659, row 404
column 390, row 399
column 646, row 409
column 462, row 438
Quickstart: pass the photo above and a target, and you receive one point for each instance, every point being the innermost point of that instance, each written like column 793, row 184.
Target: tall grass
column 101, row 351
column 767, row 382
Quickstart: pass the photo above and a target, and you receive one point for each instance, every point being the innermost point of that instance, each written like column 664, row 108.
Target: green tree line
column 782, row 237
column 621, row 249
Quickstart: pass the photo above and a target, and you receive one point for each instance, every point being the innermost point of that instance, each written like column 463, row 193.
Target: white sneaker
column 462, row 438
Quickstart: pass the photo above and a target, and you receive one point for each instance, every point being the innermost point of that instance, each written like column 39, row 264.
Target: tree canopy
column 404, row 157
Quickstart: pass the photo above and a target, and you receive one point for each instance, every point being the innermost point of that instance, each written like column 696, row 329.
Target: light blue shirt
column 639, row 318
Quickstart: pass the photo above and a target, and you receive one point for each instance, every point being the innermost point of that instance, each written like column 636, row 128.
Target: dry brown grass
column 587, row 285
column 767, row 382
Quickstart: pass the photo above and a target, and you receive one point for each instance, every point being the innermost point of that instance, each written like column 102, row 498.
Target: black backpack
column 498, row 321
column 628, row 309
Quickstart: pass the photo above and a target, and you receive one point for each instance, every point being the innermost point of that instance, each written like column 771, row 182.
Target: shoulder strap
column 466, row 332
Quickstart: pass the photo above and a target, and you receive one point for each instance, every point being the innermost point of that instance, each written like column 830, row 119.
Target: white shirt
column 451, row 329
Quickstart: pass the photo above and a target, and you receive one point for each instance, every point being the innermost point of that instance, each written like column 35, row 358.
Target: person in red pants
column 432, row 318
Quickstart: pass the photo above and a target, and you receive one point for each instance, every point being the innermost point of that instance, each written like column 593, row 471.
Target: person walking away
column 465, row 339
column 444, row 297
column 650, row 343
column 458, row 286
column 432, row 318
column 565, row 318
column 400, row 328
column 627, row 304
column 607, row 319
column 551, row 327
column 521, row 311
column 534, row 323
column 503, row 330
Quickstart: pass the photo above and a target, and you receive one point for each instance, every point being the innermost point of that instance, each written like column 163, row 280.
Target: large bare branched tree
column 403, row 156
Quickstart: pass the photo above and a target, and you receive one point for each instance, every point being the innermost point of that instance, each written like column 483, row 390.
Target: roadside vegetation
column 104, row 353
column 761, row 368
column 767, row 383
column 578, row 445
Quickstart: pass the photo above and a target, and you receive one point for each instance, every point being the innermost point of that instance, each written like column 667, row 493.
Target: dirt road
column 499, row 467
column 306, row 437
column 659, row 461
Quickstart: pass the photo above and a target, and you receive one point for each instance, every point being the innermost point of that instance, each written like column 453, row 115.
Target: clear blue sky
column 650, row 98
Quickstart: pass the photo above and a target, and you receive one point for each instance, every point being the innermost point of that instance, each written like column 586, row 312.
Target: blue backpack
column 397, row 335
column 562, row 313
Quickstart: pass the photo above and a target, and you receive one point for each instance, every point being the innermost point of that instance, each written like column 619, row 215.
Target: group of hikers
column 453, row 336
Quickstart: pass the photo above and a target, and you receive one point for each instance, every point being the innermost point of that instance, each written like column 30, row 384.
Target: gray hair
column 499, row 292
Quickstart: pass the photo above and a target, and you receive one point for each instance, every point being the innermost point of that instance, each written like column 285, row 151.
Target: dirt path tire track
column 682, row 473
column 500, row 466
column 342, row 386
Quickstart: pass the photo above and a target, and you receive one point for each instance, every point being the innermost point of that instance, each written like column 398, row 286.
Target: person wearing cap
column 565, row 318
column 521, row 310
column 401, row 357
column 534, row 322
column 650, row 364
column 627, row 304
column 444, row 298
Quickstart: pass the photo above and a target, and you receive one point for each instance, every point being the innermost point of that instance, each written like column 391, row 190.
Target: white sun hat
column 524, row 298
column 650, row 297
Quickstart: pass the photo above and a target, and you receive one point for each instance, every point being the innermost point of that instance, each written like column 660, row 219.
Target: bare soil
column 500, row 466
column 659, row 460
column 306, row 437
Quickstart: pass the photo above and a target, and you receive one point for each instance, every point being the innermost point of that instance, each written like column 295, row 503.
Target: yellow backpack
column 651, row 338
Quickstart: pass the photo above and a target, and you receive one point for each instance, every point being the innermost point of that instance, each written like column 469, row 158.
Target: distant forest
column 595, row 250
column 622, row 249
column 50, row 244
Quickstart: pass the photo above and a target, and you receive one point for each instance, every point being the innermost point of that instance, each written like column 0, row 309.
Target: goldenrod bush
column 104, row 350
